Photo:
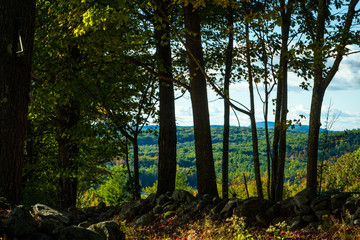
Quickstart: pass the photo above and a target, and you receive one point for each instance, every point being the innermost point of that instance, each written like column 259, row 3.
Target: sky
column 343, row 94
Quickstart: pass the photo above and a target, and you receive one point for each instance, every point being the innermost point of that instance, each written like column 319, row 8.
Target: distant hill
column 297, row 128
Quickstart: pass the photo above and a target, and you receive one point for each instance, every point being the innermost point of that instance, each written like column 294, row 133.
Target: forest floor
column 235, row 228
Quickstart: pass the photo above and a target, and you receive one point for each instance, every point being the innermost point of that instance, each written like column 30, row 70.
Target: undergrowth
column 235, row 228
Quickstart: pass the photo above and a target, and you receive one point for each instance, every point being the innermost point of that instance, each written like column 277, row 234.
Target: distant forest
column 240, row 151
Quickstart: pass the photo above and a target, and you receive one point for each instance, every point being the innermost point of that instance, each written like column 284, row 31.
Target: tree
column 16, row 44
column 226, row 133
column 323, row 44
column 203, row 147
column 167, row 134
column 279, row 142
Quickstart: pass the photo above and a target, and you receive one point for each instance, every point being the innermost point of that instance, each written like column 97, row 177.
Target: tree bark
column 252, row 116
column 203, row 145
column 16, row 22
column 167, row 136
column 137, row 186
column 226, row 133
column 279, row 144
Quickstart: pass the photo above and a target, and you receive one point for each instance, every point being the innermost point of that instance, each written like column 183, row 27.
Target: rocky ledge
column 42, row 222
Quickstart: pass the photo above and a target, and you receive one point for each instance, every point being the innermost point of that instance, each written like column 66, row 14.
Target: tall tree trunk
column 167, row 137
column 226, row 133
column 68, row 117
column 252, row 117
column 16, row 22
column 279, row 144
column 203, row 146
column 137, row 186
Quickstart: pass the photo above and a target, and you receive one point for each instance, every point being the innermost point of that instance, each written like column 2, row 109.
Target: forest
column 81, row 81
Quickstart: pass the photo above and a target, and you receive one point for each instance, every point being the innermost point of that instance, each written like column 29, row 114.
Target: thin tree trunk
column 279, row 144
column 16, row 22
column 203, row 146
column 252, row 117
column 68, row 117
column 167, row 136
column 137, row 186
column 268, row 150
column 226, row 133
column 313, row 138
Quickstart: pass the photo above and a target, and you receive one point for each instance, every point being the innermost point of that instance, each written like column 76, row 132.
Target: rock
column 319, row 214
column 46, row 212
column 129, row 211
column 20, row 223
column 170, row 207
column 144, row 219
column 76, row 233
column 304, row 197
column 310, row 218
column 284, row 209
column 215, row 211
column 320, row 203
column 51, row 227
column 169, row 214
column 101, row 206
column 152, row 198
column 252, row 207
column 182, row 196
column 109, row 230
column 338, row 200
column 263, row 219
column 227, row 211
column 77, row 216
column 109, row 212
column 350, row 206
column 162, row 200
column 157, row 209
column 277, row 220
column 207, row 198
column 87, row 224
column 39, row 236
column 303, row 210
column 296, row 223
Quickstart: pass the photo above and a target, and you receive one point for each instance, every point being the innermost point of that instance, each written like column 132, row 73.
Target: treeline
column 240, row 152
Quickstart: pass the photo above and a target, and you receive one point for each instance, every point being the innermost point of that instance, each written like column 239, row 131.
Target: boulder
column 182, row 196
column 252, row 207
column 338, row 200
column 320, row 203
column 20, row 223
column 162, row 200
column 87, row 224
column 109, row 212
column 76, row 233
column 296, row 223
column 109, row 230
column 51, row 227
column 46, row 212
column 304, row 197
column 349, row 206
column 227, row 211
column 144, row 219
column 215, row 211
column 39, row 236
column 129, row 211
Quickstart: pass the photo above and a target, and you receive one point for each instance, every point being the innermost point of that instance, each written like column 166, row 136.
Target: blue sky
column 343, row 94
